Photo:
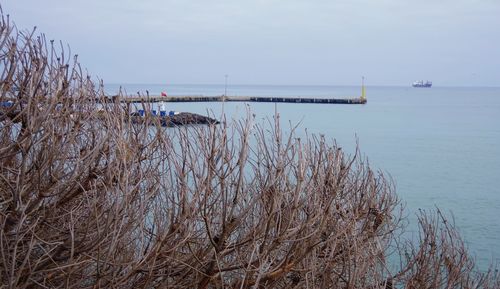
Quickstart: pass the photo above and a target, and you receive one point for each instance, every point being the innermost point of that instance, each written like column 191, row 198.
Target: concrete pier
column 200, row 98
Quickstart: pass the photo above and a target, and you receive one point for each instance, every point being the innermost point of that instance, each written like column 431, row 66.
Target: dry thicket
column 88, row 199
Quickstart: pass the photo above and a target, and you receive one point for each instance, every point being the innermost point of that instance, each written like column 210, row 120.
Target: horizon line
column 330, row 85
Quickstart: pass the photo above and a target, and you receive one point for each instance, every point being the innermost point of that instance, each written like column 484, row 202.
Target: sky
column 282, row 42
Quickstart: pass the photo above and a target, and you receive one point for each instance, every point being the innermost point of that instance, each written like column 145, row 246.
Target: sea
column 441, row 145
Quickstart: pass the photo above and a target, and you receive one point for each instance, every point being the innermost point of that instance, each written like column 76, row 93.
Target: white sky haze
column 391, row 42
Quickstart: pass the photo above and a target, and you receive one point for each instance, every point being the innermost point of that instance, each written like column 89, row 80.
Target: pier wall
column 353, row 100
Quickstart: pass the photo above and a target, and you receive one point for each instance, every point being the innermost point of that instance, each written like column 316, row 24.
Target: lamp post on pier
column 225, row 86
column 225, row 94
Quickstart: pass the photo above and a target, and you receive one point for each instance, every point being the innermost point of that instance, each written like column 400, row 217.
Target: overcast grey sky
column 391, row 42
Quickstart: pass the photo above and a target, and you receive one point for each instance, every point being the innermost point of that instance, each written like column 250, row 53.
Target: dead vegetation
column 88, row 199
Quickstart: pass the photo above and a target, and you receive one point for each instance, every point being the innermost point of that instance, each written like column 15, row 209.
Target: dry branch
column 90, row 199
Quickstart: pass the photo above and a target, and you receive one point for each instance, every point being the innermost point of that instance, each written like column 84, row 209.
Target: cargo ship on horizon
column 421, row 83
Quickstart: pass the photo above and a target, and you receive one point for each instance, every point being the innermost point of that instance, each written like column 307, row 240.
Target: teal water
column 441, row 145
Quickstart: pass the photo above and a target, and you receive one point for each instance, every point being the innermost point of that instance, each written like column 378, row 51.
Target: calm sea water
column 441, row 145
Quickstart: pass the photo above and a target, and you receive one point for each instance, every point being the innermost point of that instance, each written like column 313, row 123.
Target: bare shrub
column 88, row 199
column 440, row 259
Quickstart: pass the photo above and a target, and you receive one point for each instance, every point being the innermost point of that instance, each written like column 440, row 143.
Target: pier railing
column 200, row 98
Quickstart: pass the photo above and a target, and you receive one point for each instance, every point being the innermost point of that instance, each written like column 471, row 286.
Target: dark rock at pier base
column 183, row 118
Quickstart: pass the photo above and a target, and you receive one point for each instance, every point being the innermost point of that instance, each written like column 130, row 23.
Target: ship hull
column 421, row 83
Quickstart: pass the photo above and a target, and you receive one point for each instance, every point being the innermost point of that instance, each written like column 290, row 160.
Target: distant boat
column 421, row 83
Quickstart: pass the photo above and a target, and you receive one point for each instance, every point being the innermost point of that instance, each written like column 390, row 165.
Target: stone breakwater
column 200, row 98
column 183, row 118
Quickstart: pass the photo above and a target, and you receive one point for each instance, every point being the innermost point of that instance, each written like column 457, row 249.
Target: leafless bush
column 88, row 199
column 440, row 260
